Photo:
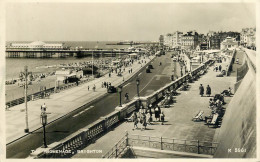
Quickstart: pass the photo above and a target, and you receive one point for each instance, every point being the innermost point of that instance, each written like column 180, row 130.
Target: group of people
column 215, row 104
column 105, row 84
column 145, row 117
column 217, row 68
column 208, row 90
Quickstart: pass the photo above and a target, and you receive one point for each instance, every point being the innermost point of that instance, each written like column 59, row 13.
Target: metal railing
column 42, row 94
column 161, row 143
column 119, row 149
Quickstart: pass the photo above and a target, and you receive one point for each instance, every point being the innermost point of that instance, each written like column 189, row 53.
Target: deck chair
column 214, row 120
column 130, row 119
column 198, row 117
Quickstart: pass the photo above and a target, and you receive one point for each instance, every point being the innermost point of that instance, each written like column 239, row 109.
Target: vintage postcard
column 133, row 79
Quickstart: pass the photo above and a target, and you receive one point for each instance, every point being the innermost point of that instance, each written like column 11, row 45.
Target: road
column 62, row 128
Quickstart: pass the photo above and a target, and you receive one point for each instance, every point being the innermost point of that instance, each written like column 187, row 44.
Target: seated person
column 211, row 103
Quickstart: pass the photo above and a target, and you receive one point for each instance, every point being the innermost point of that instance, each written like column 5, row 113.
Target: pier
column 61, row 53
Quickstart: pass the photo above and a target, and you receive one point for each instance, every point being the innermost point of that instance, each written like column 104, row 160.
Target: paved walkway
column 61, row 103
column 178, row 117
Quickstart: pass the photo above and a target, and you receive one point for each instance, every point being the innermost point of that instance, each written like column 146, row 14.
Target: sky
column 121, row 21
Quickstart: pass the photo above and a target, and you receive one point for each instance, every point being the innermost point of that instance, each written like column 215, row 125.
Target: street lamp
column 44, row 122
column 120, row 92
column 25, row 75
column 190, row 65
column 137, row 84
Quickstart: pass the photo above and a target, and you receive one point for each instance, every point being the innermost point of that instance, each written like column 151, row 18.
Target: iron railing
column 161, row 143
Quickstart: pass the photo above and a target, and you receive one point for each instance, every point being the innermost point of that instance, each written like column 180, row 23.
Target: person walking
column 162, row 117
column 201, row 88
column 94, row 88
column 135, row 120
column 156, row 113
column 220, row 67
column 43, row 107
column 208, row 91
column 88, row 88
column 149, row 117
column 143, row 121
column 126, row 97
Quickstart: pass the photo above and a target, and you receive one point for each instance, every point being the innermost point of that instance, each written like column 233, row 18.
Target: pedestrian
column 214, row 68
column 220, row 67
column 162, row 117
column 88, row 88
column 237, row 61
column 131, row 70
column 43, row 107
column 94, row 88
column 148, row 116
column 135, row 120
column 172, row 77
column 102, row 85
column 143, row 121
column 208, row 91
column 105, row 84
column 126, row 97
column 201, row 88
column 156, row 113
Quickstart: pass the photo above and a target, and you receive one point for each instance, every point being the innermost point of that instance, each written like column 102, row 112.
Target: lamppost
column 120, row 92
column 137, row 84
column 190, row 65
column 181, row 71
column 96, row 48
column 25, row 75
column 44, row 122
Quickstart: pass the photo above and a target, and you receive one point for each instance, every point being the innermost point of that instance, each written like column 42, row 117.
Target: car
column 150, row 66
column 174, row 59
column 111, row 89
column 148, row 70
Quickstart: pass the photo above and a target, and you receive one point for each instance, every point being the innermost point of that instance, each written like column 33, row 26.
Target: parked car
column 150, row 66
column 111, row 89
column 148, row 70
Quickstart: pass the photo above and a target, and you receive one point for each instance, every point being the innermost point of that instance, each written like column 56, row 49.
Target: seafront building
column 229, row 43
column 248, row 37
column 168, row 40
column 190, row 40
column 36, row 45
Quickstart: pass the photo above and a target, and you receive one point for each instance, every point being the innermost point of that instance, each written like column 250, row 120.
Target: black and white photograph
column 133, row 80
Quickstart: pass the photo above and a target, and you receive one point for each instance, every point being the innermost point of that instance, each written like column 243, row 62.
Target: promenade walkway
column 178, row 117
column 62, row 103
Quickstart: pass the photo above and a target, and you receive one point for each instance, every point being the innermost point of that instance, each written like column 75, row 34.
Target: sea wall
column 237, row 136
